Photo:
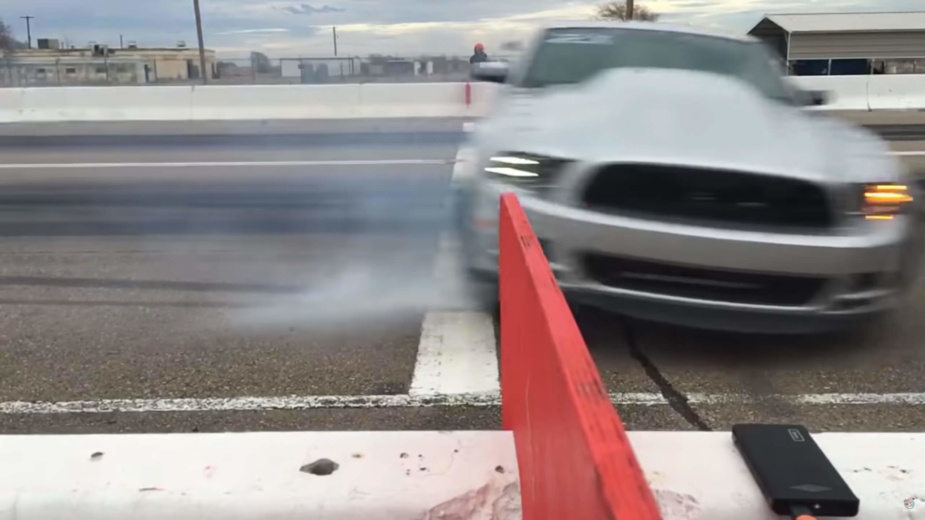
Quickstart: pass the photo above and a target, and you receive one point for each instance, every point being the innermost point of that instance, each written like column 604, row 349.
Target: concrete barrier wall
column 257, row 476
column 374, row 100
column 845, row 93
column 244, row 102
column 275, row 102
column 10, row 104
column 897, row 92
column 105, row 104
column 484, row 96
column 414, row 100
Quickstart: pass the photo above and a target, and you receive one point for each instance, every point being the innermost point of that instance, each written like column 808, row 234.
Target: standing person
column 479, row 56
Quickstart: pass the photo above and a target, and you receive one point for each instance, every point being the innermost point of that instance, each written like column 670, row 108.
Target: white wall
column 100, row 104
column 245, row 102
column 376, row 100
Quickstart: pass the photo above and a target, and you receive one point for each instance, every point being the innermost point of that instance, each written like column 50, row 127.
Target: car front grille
column 711, row 197
column 702, row 284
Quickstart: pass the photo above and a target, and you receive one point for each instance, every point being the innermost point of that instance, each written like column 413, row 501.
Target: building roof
column 645, row 26
column 113, row 51
column 850, row 22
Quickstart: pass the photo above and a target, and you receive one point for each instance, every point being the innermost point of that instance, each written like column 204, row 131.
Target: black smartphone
column 792, row 471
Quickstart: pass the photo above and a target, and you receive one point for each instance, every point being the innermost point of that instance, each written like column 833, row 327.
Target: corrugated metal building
column 847, row 43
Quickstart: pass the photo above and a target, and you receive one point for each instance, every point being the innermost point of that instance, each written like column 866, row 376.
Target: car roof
column 649, row 26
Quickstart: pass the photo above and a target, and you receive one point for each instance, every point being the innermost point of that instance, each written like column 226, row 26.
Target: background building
column 50, row 65
column 847, row 43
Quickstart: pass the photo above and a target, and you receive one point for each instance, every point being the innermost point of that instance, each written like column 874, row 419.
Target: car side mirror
column 815, row 98
column 491, row 71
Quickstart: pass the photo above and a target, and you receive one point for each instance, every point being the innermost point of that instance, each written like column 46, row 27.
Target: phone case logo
column 909, row 503
column 796, row 435
column 811, row 488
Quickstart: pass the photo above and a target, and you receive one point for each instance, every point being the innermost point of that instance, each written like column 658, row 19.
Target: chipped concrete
column 497, row 500
column 677, row 506
column 254, row 476
column 508, row 505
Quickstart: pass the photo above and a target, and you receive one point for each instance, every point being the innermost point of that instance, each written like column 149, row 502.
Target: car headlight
column 534, row 173
column 883, row 201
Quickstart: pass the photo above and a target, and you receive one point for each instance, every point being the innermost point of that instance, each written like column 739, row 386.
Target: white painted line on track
column 647, row 398
column 456, row 355
column 226, row 164
column 462, row 167
column 267, row 164
column 245, row 404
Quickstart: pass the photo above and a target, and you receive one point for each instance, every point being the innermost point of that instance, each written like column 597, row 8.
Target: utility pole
column 334, row 29
column 28, row 28
column 121, row 46
column 629, row 10
column 202, row 49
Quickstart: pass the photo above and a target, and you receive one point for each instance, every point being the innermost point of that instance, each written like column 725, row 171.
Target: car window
column 566, row 56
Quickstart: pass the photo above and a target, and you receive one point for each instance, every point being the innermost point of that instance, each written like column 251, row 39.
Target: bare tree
column 6, row 37
column 616, row 11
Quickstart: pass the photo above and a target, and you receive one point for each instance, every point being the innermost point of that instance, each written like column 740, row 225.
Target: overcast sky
column 292, row 28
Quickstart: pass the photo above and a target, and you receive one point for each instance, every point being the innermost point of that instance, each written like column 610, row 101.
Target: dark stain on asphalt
column 676, row 399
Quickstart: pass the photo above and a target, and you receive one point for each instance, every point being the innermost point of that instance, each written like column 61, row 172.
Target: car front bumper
column 868, row 250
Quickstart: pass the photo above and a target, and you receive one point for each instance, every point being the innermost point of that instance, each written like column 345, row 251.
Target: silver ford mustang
column 675, row 175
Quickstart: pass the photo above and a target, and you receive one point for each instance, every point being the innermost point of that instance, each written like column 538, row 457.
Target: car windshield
column 567, row 56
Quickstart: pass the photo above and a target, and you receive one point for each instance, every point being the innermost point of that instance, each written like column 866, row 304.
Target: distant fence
column 254, row 71
column 78, row 72
column 345, row 69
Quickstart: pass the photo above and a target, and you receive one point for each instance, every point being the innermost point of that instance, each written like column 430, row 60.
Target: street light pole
column 334, row 29
column 28, row 28
column 629, row 9
column 202, row 49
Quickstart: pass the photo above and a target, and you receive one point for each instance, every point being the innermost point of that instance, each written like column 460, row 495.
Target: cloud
column 254, row 31
column 309, row 9
column 398, row 27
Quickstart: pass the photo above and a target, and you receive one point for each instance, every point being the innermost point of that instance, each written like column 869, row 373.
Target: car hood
column 683, row 117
